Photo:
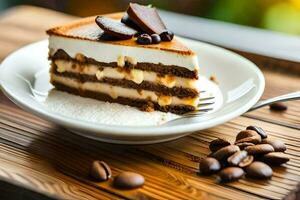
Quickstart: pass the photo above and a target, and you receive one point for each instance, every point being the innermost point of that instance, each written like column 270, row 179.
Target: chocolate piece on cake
column 115, row 28
column 163, row 75
column 146, row 17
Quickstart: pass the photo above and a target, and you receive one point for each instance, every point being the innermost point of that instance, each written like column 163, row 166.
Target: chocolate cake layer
column 142, row 104
column 145, row 85
column 157, row 68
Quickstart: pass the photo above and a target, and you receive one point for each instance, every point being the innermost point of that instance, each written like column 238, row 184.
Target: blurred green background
column 276, row 15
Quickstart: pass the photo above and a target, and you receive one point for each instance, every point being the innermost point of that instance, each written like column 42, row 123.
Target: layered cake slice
column 111, row 61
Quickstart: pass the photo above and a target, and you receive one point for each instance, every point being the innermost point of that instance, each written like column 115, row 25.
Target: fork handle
column 282, row 98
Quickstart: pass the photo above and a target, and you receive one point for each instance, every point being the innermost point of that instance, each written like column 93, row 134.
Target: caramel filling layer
column 135, row 75
column 116, row 91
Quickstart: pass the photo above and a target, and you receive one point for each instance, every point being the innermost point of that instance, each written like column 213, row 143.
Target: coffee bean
column 100, row 171
column 231, row 174
column 209, row 166
column 217, row 144
column 166, row 35
column 225, row 152
column 277, row 144
column 253, row 139
column 248, row 136
column 275, row 158
column 279, row 106
column 243, row 145
column 144, row 39
column 259, row 149
column 259, row 170
column 155, row 39
column 247, row 161
column 237, row 157
column 258, row 130
column 138, row 34
column 245, row 134
column 128, row 180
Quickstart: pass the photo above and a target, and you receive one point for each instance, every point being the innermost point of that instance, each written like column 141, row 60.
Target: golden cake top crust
column 87, row 29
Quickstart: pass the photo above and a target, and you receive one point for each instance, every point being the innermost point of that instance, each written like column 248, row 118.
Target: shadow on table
column 72, row 155
column 66, row 149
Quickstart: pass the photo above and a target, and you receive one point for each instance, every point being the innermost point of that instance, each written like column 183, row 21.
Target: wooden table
column 39, row 160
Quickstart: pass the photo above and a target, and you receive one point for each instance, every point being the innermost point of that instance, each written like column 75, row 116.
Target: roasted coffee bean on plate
column 231, row 174
column 225, row 152
column 115, row 28
column 166, row 35
column 128, row 180
column 275, row 158
column 243, row 145
column 258, row 130
column 237, row 157
column 277, row 144
column 217, row 144
column 259, row 170
column 248, row 136
column 279, row 106
column 100, row 171
column 155, row 39
column 259, row 149
column 144, row 39
column 246, row 161
column 209, row 166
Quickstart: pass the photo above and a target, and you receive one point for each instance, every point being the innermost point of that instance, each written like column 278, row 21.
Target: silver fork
column 206, row 103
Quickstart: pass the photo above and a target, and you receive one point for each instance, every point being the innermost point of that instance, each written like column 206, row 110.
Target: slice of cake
column 127, row 70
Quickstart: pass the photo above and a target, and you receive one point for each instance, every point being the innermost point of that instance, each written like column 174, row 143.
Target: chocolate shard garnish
column 115, row 28
column 108, row 37
column 126, row 20
column 146, row 18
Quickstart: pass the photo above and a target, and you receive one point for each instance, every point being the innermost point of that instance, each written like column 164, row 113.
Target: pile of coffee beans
column 148, row 39
column 100, row 171
column 252, row 154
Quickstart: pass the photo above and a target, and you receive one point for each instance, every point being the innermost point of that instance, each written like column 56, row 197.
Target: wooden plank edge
column 274, row 64
column 280, row 123
column 265, row 62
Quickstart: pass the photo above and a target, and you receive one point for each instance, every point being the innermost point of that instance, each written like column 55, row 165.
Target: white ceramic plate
column 24, row 79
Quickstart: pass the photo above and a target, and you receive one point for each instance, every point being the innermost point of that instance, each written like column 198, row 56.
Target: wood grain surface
column 39, row 160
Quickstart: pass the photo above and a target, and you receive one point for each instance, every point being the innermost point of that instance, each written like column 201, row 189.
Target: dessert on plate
column 130, row 58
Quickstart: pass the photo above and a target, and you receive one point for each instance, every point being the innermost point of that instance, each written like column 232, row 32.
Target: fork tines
column 202, row 105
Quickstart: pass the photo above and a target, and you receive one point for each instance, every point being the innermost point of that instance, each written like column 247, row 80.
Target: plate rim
column 133, row 131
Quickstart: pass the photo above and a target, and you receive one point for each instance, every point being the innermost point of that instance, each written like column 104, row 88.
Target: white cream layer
column 105, row 52
column 134, row 75
column 115, row 92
